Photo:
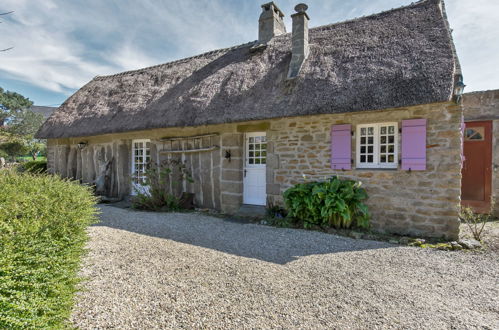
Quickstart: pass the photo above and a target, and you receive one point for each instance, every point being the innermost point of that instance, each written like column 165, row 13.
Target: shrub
column 34, row 166
column 163, row 187
column 332, row 203
column 43, row 221
column 475, row 222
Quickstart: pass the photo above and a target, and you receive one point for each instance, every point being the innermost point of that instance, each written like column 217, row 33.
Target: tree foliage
column 18, row 125
column 11, row 103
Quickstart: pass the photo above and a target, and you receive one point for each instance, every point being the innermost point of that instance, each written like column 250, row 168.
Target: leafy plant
column 162, row 187
column 43, row 222
column 475, row 222
column 331, row 203
column 34, row 166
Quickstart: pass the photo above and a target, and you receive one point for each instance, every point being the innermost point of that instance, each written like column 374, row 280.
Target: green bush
column 43, row 221
column 34, row 166
column 332, row 203
column 163, row 182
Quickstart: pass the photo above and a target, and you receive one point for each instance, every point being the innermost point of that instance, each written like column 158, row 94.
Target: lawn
column 29, row 158
column 43, row 221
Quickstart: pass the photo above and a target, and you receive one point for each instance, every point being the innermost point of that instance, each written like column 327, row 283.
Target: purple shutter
column 341, row 147
column 414, row 144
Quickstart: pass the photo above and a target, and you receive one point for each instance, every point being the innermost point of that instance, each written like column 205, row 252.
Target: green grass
column 43, row 221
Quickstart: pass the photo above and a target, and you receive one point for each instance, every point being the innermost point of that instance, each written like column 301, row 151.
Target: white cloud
column 60, row 44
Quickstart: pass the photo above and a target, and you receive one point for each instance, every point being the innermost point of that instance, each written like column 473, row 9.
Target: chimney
column 299, row 40
column 271, row 23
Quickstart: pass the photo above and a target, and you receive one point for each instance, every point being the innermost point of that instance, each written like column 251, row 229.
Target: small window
column 377, row 145
column 474, row 134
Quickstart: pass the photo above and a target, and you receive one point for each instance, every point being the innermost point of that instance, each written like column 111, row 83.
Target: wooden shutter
column 341, row 147
column 414, row 144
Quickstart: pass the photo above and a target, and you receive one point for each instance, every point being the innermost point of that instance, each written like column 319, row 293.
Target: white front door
column 141, row 157
column 254, row 169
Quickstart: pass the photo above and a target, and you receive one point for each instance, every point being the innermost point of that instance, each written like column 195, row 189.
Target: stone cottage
column 374, row 99
column 480, row 182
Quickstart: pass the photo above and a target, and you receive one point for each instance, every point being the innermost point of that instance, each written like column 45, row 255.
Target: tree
column 11, row 104
column 14, row 148
column 35, row 147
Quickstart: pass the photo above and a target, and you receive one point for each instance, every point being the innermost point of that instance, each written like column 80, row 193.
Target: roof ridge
column 411, row 5
column 220, row 50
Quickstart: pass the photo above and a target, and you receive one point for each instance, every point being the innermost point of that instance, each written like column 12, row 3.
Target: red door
column 476, row 172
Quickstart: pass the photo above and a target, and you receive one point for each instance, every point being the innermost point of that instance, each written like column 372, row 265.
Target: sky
column 60, row 45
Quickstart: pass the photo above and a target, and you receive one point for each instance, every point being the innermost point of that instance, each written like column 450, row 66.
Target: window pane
column 264, row 146
column 370, row 159
column 250, row 160
column 257, row 139
column 391, row 158
column 391, row 129
column 362, row 159
column 370, row 140
column 263, row 161
column 264, row 138
column 251, row 140
column 370, row 149
column 257, row 147
column 363, row 131
column 257, row 161
column 257, row 153
column 383, row 159
column 251, row 154
column 370, row 130
column 264, row 153
column 383, row 139
column 391, row 139
column 363, row 150
column 383, row 130
column 251, row 146
column 363, row 140
column 383, row 148
column 391, row 148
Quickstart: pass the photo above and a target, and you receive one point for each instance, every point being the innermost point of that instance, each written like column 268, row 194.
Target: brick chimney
column 271, row 23
column 299, row 40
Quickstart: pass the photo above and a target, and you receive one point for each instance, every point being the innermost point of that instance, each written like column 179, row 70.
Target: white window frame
column 377, row 148
column 137, row 186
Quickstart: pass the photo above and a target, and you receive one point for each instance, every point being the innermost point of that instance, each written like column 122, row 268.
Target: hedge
column 43, row 221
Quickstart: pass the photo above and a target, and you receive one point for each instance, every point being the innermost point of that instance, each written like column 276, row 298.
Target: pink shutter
column 414, row 144
column 341, row 147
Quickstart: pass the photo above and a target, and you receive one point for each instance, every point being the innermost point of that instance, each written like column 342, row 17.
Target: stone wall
column 415, row 203
column 481, row 106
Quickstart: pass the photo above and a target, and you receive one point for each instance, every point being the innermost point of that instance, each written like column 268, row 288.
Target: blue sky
column 60, row 45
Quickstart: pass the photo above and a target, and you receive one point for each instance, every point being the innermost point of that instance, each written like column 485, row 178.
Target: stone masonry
column 414, row 203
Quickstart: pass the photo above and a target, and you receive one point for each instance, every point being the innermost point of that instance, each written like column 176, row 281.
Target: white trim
column 137, row 186
column 376, row 146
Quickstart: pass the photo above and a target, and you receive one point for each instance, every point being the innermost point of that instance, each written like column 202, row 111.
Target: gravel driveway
column 166, row 270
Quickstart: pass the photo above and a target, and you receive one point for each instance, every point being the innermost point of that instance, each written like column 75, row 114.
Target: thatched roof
column 397, row 58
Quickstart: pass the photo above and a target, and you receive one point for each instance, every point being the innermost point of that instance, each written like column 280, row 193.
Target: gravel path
column 152, row 270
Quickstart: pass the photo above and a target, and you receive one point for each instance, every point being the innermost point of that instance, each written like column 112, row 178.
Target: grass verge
column 43, row 221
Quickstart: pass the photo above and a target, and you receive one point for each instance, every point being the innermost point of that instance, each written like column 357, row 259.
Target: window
column 141, row 151
column 257, row 150
column 377, row 145
column 474, row 134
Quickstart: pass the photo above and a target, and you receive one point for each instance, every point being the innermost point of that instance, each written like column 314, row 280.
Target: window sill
column 376, row 168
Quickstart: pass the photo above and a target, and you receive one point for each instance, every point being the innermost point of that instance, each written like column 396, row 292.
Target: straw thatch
column 397, row 58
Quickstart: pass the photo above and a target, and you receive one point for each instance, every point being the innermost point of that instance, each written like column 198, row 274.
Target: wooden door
column 476, row 172
column 255, row 185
